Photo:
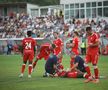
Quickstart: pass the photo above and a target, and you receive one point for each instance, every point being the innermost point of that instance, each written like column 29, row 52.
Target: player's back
column 44, row 47
column 28, row 44
column 51, row 61
column 80, row 62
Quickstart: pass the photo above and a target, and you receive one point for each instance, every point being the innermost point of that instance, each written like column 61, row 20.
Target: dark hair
column 76, row 33
column 53, row 46
column 56, row 32
column 88, row 28
column 29, row 33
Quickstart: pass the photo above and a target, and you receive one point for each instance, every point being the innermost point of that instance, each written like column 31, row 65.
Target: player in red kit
column 44, row 52
column 28, row 45
column 92, row 54
column 74, row 45
column 58, row 45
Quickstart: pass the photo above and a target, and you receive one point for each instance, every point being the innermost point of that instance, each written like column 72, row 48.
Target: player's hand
column 60, row 70
column 56, row 75
column 90, row 45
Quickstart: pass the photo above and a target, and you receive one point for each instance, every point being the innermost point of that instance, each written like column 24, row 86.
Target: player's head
column 76, row 33
column 56, row 34
column 52, row 46
column 88, row 30
column 29, row 33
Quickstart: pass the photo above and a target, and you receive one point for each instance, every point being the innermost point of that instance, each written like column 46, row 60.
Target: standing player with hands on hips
column 28, row 46
column 92, row 55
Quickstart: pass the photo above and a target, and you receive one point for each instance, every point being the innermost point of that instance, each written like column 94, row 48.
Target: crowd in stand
column 16, row 26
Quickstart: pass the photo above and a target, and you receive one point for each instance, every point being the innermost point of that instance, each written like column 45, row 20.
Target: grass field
column 10, row 69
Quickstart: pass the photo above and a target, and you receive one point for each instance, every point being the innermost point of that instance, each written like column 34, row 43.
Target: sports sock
column 96, row 72
column 30, row 69
column 23, row 68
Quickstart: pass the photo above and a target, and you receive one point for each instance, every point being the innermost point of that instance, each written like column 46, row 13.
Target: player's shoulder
column 95, row 35
column 24, row 39
column 46, row 44
column 79, row 58
column 59, row 39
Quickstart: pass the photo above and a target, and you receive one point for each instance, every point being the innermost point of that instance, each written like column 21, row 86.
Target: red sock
column 86, row 76
column 34, row 64
column 96, row 72
column 30, row 69
column 23, row 68
column 87, row 68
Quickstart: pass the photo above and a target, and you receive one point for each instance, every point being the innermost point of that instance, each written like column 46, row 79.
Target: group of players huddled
column 53, row 54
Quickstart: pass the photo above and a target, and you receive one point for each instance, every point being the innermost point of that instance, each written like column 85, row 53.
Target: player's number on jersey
column 28, row 45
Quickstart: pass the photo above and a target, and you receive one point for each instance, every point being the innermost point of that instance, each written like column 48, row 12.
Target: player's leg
column 30, row 69
column 23, row 68
column 49, row 72
column 87, row 68
column 96, row 70
column 38, row 57
column 35, row 63
column 31, row 56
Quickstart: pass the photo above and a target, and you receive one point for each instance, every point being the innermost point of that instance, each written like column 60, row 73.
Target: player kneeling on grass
column 76, row 71
column 44, row 52
column 51, row 66
column 28, row 45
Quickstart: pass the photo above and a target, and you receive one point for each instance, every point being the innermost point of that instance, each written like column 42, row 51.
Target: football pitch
column 10, row 69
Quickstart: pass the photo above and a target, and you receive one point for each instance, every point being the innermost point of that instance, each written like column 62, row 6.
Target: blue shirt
column 80, row 62
column 51, row 62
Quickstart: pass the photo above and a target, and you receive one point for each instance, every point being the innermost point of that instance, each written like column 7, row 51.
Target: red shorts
column 28, row 56
column 92, row 58
column 40, row 56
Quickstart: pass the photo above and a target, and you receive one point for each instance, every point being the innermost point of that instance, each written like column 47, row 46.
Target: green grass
column 10, row 69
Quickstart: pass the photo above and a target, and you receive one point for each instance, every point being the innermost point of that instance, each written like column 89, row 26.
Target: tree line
column 37, row 2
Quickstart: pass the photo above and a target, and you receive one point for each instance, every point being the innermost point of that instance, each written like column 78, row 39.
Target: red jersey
column 28, row 44
column 45, row 48
column 92, row 39
column 44, row 51
column 58, row 43
column 75, row 49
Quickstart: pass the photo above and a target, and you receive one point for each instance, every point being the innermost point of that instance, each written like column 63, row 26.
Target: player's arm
column 80, row 72
column 56, row 68
column 74, row 67
column 35, row 48
column 94, row 44
column 20, row 48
